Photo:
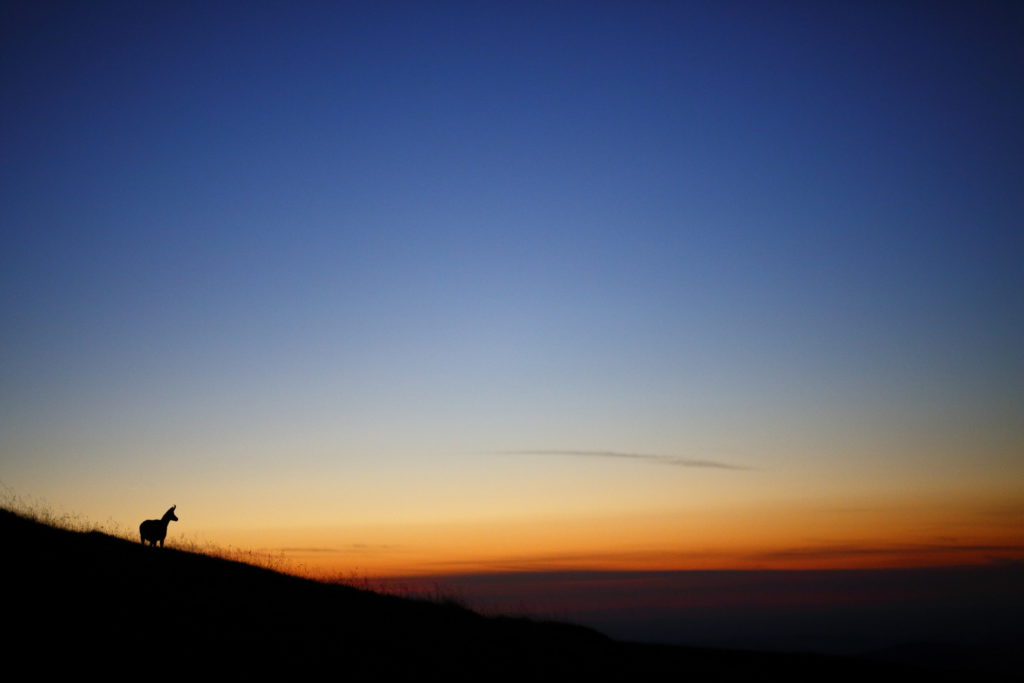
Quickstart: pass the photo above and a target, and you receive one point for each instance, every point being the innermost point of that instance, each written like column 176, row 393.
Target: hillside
column 93, row 593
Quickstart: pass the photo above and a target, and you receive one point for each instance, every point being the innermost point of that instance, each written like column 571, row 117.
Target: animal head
column 170, row 516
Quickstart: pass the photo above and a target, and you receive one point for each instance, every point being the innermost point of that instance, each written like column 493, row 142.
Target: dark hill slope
column 72, row 595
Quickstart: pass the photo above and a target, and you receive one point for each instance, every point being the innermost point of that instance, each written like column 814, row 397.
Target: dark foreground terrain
column 96, row 602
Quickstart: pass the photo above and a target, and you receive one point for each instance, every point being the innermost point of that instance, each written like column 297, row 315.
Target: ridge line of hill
column 89, row 590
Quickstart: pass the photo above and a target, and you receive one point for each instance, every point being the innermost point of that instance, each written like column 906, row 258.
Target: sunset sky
column 403, row 288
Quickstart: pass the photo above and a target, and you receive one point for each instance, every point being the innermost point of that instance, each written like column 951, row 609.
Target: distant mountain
column 91, row 599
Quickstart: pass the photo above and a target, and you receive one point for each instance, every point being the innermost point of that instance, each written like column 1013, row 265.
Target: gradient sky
column 427, row 287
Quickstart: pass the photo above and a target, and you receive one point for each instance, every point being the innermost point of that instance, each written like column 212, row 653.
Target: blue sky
column 361, row 239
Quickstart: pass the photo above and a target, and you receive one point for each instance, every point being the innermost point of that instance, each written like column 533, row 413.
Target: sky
column 400, row 288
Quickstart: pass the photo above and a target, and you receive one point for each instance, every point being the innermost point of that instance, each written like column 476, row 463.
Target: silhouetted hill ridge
column 90, row 592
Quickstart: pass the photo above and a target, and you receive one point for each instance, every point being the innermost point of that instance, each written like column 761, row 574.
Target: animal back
column 152, row 529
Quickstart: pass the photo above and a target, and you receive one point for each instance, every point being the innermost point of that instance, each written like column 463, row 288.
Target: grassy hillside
column 88, row 592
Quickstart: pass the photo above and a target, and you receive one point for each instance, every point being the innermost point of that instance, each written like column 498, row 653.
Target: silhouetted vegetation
column 88, row 591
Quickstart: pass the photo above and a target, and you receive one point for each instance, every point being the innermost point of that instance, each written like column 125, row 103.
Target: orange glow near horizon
column 530, row 514
column 742, row 539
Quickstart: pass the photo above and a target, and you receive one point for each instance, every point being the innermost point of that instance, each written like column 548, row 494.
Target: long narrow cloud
column 845, row 551
column 654, row 459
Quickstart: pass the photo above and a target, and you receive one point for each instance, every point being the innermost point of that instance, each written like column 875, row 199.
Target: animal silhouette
column 155, row 530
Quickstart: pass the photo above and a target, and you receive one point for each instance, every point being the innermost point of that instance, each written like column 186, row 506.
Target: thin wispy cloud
column 674, row 461
column 342, row 549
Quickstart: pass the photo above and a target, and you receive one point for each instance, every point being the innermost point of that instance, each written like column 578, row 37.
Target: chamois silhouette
column 155, row 530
